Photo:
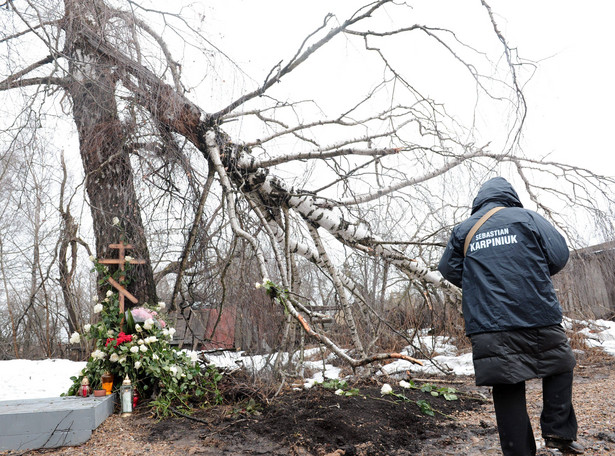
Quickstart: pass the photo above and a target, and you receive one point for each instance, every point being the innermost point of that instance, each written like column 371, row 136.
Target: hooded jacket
column 505, row 275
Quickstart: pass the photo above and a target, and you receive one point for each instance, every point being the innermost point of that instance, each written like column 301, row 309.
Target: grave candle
column 107, row 382
column 84, row 389
column 126, row 396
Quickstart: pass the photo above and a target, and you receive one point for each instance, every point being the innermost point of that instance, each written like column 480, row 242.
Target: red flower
column 121, row 338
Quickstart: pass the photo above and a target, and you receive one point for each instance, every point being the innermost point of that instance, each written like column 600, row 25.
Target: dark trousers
column 557, row 418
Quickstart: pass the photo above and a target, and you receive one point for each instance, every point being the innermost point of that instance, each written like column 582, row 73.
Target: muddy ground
column 318, row 421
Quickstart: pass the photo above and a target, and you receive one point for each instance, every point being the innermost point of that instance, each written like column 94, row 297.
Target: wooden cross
column 121, row 262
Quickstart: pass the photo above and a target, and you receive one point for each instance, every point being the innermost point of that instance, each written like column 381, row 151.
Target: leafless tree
column 196, row 171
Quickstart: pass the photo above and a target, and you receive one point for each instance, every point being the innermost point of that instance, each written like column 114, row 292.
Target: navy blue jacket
column 505, row 275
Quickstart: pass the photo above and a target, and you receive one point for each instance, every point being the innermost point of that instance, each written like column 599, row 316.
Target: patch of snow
column 26, row 379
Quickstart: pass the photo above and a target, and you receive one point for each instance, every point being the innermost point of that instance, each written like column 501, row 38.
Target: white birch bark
column 350, row 231
column 214, row 154
column 341, row 292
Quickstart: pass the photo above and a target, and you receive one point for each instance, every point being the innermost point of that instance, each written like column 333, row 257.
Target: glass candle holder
column 126, row 396
column 107, row 382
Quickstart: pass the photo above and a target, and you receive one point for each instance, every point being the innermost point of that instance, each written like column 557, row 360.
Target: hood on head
column 496, row 190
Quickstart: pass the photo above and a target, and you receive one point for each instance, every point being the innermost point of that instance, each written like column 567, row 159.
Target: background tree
column 332, row 181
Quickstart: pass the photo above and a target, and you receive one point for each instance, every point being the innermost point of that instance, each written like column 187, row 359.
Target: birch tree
column 163, row 136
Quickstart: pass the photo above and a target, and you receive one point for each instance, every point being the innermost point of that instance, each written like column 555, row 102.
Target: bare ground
column 317, row 422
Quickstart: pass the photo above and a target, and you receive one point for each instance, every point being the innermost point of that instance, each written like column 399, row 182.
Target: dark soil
column 319, row 422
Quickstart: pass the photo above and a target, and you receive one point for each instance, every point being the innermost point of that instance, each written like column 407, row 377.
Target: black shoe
column 565, row 446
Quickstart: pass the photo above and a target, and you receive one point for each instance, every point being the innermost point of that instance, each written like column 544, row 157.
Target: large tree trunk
column 103, row 143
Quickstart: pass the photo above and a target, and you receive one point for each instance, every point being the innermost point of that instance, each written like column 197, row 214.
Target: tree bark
column 104, row 147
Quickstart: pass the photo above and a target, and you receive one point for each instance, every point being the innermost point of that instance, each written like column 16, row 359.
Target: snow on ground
column 26, row 379
column 446, row 359
column 600, row 333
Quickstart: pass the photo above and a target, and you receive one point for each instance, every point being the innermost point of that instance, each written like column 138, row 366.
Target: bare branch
column 298, row 59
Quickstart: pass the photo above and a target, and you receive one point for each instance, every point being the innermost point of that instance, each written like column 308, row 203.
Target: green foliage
column 341, row 387
column 272, row 290
column 172, row 378
column 349, row 392
column 334, row 384
column 447, row 393
column 425, row 407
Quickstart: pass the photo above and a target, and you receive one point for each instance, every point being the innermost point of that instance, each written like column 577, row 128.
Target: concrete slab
column 51, row 422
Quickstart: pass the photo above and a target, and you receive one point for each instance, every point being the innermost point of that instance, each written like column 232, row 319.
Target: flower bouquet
column 136, row 343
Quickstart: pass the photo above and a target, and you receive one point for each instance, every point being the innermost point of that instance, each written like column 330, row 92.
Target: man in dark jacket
column 512, row 315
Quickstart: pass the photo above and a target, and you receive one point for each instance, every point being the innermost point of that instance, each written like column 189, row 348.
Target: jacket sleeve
column 451, row 263
column 553, row 244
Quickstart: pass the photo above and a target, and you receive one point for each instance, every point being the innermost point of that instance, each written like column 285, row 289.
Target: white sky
column 570, row 96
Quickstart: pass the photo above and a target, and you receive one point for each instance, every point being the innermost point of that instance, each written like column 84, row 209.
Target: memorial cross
column 121, row 262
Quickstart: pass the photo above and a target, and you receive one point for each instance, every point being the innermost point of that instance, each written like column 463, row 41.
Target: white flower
column 149, row 324
column 128, row 258
column 122, row 360
column 137, row 363
column 165, row 332
column 109, row 293
column 151, row 340
column 115, row 221
column 97, row 354
column 138, row 327
column 173, row 369
column 134, row 349
column 386, row 389
column 161, row 305
column 194, row 356
column 110, row 333
column 257, row 285
column 311, row 382
column 339, row 392
column 92, row 258
column 155, row 356
column 98, row 308
column 141, row 342
column 171, row 331
column 87, row 327
column 404, row 384
column 75, row 338
column 114, row 357
column 143, row 348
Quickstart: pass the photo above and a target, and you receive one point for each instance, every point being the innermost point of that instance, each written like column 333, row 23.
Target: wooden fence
column 586, row 286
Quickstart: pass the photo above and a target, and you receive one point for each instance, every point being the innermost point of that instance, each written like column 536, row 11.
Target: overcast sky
column 570, row 96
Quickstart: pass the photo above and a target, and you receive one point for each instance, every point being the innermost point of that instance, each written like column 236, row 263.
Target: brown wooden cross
column 121, row 262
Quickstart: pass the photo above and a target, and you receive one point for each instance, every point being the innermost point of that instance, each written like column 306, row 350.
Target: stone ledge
column 51, row 422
